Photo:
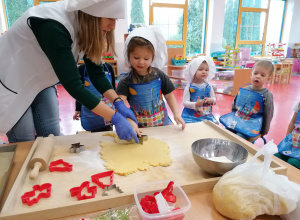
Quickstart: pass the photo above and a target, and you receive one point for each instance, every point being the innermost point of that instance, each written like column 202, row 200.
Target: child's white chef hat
column 154, row 35
column 193, row 66
column 98, row 8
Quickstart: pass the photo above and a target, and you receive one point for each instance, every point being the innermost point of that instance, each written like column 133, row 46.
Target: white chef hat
column 154, row 35
column 193, row 66
column 98, row 8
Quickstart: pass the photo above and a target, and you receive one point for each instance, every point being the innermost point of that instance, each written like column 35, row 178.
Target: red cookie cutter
column 96, row 177
column 26, row 196
column 76, row 191
column 54, row 166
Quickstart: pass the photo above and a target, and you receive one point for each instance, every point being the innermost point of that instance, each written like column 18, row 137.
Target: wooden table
column 202, row 203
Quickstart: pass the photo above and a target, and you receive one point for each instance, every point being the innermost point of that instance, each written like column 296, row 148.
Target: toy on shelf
column 178, row 60
column 276, row 50
column 230, row 57
column 244, row 58
column 107, row 56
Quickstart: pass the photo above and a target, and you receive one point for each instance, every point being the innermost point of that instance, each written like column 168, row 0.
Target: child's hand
column 76, row 115
column 208, row 101
column 199, row 102
column 134, row 127
column 179, row 120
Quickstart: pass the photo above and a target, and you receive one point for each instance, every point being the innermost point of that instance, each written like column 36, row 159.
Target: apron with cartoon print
column 290, row 145
column 200, row 113
column 146, row 101
column 248, row 118
column 89, row 120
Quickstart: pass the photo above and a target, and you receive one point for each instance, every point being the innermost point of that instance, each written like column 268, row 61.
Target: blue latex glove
column 123, row 128
column 123, row 110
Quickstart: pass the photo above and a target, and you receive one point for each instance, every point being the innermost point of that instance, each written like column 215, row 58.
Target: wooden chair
column 283, row 73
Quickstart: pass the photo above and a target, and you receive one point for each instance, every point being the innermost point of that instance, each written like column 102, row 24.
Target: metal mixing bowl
column 204, row 149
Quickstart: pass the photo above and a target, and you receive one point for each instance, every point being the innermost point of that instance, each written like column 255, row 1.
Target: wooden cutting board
column 184, row 171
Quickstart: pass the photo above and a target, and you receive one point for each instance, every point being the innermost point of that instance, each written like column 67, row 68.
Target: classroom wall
column 215, row 26
column 291, row 32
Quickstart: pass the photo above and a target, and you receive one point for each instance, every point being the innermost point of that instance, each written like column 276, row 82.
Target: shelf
column 175, row 77
column 179, row 67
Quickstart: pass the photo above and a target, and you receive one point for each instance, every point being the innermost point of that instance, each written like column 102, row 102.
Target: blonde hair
column 91, row 40
column 266, row 64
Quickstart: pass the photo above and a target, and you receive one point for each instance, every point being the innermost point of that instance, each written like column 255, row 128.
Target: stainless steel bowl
column 204, row 149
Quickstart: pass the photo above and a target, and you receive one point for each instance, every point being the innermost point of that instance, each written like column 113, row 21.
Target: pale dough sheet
column 126, row 159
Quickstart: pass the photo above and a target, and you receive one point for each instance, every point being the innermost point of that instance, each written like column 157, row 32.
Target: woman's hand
column 123, row 128
column 123, row 110
column 179, row 120
column 76, row 115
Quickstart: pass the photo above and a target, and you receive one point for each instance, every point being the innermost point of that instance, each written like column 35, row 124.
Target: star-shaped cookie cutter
column 96, row 177
column 27, row 195
column 107, row 188
column 76, row 191
column 77, row 148
column 54, row 166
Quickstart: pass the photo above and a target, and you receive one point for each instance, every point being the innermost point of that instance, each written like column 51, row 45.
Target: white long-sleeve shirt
column 187, row 96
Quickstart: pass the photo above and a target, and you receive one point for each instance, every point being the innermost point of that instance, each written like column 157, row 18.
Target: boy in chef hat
column 146, row 85
column 198, row 96
column 252, row 107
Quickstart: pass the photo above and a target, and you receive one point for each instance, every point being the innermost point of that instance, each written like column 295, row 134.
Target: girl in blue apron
column 199, row 97
column 247, row 118
column 289, row 147
column 145, row 87
column 89, row 120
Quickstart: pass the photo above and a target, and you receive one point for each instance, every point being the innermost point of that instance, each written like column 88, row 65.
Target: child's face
column 260, row 75
column 140, row 59
column 202, row 73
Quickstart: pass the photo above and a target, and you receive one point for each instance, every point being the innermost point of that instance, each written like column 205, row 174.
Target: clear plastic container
column 182, row 201
column 177, row 73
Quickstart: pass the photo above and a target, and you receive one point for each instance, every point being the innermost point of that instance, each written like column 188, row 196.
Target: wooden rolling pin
column 41, row 156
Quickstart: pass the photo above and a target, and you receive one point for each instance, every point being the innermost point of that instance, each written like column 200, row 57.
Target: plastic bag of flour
column 252, row 189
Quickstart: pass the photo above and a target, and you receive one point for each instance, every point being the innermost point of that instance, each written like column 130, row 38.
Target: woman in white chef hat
column 41, row 49
column 145, row 85
column 199, row 96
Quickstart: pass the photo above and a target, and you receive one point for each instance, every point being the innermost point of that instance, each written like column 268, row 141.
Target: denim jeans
column 41, row 118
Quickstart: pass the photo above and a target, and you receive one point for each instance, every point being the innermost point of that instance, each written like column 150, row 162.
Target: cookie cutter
column 142, row 138
column 107, row 188
column 76, row 191
column 96, row 177
column 27, row 195
column 77, row 148
column 54, row 166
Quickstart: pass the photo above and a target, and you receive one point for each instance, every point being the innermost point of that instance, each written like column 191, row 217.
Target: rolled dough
column 129, row 158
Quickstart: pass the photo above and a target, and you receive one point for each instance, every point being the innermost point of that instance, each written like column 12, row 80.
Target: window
column 253, row 23
column 183, row 23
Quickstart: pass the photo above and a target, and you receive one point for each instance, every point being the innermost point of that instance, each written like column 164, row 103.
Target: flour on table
column 129, row 158
column 221, row 159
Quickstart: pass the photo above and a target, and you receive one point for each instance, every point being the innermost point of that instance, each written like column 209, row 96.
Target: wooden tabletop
column 202, row 202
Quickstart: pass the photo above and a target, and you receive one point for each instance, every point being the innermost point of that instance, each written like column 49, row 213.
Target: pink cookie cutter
column 27, row 195
column 77, row 191
column 66, row 166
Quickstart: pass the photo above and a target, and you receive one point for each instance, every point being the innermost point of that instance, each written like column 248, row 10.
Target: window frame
column 185, row 16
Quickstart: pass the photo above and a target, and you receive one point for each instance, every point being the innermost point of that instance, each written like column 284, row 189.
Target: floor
column 285, row 97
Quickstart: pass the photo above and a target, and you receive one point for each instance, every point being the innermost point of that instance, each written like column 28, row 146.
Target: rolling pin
column 41, row 156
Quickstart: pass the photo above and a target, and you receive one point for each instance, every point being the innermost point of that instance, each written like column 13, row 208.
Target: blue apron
column 248, row 118
column 89, row 120
column 200, row 113
column 290, row 145
column 146, row 101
